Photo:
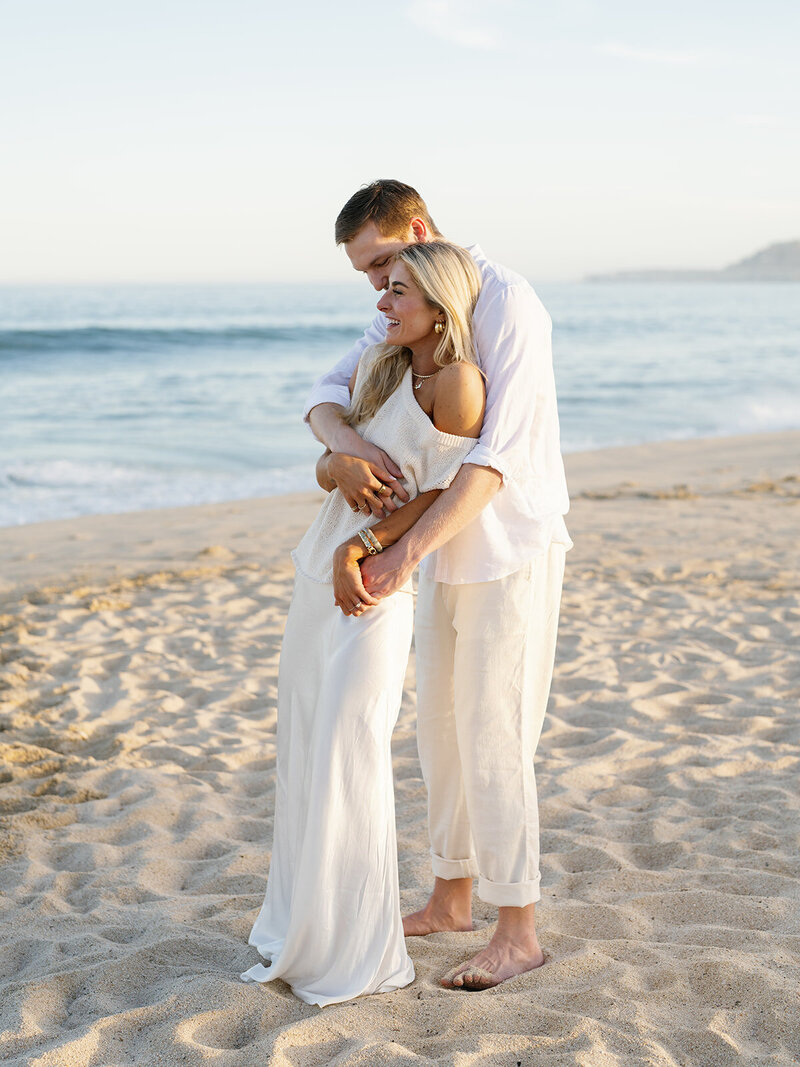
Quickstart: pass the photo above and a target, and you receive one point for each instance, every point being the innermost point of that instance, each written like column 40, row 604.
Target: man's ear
column 420, row 231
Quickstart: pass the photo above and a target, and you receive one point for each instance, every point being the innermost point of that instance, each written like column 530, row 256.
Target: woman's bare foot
column 449, row 907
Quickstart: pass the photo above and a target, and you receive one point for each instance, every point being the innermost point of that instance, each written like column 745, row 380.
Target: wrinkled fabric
column 484, row 665
column 330, row 924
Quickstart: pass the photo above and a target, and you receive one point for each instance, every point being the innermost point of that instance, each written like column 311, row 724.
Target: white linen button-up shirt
column 519, row 438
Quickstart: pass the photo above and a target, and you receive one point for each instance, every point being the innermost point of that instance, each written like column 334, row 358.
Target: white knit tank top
column 428, row 458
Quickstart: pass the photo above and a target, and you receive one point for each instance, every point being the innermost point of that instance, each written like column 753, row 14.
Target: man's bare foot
column 513, row 950
column 449, row 908
column 432, row 920
column 491, row 967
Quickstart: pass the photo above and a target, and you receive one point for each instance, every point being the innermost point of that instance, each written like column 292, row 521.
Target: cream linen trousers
column 485, row 655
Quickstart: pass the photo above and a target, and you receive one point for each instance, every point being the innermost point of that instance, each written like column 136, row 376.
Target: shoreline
column 119, row 544
column 302, row 481
column 138, row 679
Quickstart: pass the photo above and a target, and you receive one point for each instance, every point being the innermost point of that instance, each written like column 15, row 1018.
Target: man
column 492, row 553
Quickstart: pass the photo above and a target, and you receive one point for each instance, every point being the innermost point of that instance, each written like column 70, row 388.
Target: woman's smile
column 409, row 316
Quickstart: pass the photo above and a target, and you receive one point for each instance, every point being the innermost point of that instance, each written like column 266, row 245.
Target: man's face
column 371, row 253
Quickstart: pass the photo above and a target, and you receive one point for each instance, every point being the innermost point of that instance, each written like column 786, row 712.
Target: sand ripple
column 138, row 748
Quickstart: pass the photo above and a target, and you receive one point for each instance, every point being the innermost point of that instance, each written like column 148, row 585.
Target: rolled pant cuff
column 449, row 869
column 509, row 894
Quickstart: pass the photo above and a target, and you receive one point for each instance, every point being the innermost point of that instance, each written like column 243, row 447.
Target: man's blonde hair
column 450, row 282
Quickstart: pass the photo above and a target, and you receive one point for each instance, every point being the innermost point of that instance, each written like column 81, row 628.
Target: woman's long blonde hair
column 450, row 282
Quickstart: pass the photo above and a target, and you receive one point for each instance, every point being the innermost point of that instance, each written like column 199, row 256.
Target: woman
column 330, row 924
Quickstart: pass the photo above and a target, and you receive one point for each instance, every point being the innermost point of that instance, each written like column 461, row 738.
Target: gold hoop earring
column 438, row 327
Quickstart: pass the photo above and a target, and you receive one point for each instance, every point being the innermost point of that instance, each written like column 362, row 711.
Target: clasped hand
column 348, row 587
column 361, row 581
column 367, row 485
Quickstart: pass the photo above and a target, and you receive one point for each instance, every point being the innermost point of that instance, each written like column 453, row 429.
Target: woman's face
column 409, row 316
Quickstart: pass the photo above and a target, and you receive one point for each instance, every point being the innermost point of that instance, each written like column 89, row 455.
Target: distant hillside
column 777, row 263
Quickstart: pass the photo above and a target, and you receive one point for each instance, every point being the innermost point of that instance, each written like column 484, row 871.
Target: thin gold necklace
column 422, row 377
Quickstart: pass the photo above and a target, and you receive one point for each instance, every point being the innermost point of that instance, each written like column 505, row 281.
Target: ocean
column 117, row 398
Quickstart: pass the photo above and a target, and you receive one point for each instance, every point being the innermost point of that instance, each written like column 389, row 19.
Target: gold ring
column 383, row 489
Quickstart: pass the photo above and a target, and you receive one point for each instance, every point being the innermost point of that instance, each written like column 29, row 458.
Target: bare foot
column 502, row 959
column 431, row 920
column 449, row 907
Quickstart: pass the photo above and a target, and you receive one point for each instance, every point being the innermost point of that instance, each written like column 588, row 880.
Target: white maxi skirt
column 330, row 925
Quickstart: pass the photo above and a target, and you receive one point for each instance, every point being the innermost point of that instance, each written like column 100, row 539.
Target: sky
column 188, row 140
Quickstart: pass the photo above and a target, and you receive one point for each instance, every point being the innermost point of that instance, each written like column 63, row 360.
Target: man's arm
column 332, row 387
column 330, row 395
column 328, row 399
column 471, row 490
column 357, row 481
column 324, row 480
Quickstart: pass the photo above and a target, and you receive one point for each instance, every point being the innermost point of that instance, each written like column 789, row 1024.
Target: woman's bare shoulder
column 459, row 401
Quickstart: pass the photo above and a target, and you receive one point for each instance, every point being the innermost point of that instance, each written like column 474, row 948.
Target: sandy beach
column 137, row 743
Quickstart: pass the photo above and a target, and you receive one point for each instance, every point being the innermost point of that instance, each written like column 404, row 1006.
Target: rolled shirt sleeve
column 333, row 387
